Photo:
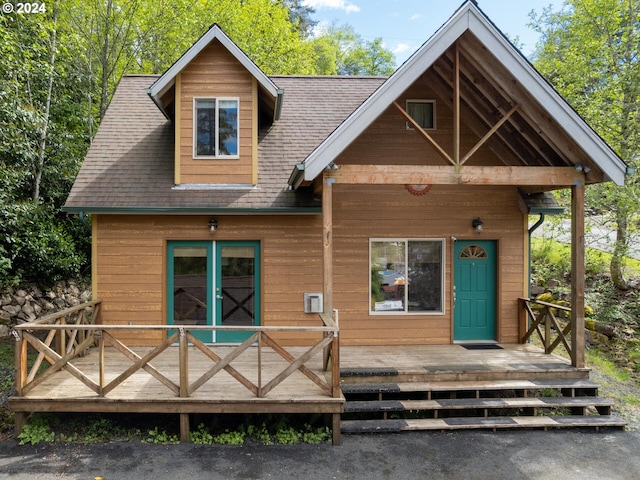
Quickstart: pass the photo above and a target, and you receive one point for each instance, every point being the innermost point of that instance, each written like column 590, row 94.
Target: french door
column 214, row 283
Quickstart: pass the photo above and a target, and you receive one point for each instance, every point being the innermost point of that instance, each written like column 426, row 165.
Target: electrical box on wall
column 313, row 303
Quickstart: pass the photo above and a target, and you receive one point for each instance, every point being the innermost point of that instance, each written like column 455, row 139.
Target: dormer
column 216, row 96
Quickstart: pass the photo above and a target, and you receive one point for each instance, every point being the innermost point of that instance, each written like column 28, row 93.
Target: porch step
column 576, row 404
column 568, row 387
column 498, row 404
column 462, row 372
column 494, row 423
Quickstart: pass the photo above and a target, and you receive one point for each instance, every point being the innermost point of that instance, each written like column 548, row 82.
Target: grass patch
column 595, row 359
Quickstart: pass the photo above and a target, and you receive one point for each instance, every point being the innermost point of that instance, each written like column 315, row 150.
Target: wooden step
column 494, row 423
column 568, row 386
column 462, row 372
column 602, row 405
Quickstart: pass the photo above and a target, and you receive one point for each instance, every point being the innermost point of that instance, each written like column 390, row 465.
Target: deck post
column 577, row 275
column 184, row 383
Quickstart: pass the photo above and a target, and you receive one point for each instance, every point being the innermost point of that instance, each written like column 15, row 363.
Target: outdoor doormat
column 368, row 372
column 482, row 346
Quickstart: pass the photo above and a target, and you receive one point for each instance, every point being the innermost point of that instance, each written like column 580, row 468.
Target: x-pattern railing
column 543, row 321
column 74, row 338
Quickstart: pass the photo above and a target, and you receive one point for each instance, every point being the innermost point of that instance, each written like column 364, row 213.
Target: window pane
column 206, row 127
column 388, row 275
column 422, row 113
column 425, row 276
column 228, row 134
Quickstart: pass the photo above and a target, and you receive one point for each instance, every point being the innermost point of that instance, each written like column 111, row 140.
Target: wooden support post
column 577, row 275
column 336, row 429
column 20, row 359
column 184, row 427
column 327, row 242
column 101, row 362
column 523, row 321
column 184, row 364
column 456, row 106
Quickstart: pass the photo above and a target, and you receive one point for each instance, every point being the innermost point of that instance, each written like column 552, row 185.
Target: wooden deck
column 456, row 363
column 69, row 362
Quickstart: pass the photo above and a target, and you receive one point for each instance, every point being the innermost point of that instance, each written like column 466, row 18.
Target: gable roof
column 163, row 84
column 469, row 18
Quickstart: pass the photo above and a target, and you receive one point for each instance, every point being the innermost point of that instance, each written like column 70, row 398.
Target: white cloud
column 335, row 4
column 400, row 47
column 416, row 16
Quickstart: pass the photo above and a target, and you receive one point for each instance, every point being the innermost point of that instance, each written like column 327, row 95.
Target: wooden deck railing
column 79, row 328
column 540, row 317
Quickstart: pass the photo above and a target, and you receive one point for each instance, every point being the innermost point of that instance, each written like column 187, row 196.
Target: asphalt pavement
column 513, row 455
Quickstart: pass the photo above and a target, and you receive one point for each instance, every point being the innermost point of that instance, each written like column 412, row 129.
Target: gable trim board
column 168, row 79
column 467, row 18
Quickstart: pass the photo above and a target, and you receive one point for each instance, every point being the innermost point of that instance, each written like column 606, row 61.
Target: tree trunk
column 619, row 251
column 42, row 140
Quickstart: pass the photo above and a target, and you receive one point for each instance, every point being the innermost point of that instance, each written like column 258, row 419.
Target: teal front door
column 474, row 290
column 214, row 283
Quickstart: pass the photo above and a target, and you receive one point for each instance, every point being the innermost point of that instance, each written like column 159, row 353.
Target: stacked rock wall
column 27, row 303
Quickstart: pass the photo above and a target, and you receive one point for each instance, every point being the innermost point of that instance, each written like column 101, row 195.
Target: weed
column 161, row 437
column 36, row 432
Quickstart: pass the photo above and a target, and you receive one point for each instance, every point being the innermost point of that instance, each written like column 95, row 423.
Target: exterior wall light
column 477, row 224
column 213, row 224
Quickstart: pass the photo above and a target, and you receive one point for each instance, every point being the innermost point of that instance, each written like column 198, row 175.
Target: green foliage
column 339, row 50
column 36, row 432
column 161, row 437
column 589, row 52
column 36, row 245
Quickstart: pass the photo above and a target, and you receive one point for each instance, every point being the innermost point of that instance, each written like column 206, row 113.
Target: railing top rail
column 62, row 313
column 547, row 304
column 39, row 326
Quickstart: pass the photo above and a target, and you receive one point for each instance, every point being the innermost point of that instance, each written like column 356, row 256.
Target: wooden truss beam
column 450, row 175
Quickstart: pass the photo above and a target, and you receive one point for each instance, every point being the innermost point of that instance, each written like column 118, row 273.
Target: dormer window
column 216, row 128
column 423, row 113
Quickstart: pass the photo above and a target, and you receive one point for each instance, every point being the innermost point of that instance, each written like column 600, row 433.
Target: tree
column 589, row 52
column 339, row 50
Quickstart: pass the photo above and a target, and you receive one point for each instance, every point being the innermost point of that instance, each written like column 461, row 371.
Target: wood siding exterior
column 364, row 212
column 216, row 73
column 130, row 266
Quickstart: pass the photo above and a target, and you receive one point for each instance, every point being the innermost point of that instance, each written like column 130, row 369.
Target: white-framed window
column 215, row 127
column 407, row 276
column 423, row 113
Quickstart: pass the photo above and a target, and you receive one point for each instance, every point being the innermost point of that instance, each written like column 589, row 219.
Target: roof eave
column 147, row 210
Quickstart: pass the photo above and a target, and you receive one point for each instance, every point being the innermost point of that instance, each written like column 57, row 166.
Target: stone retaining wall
column 27, row 303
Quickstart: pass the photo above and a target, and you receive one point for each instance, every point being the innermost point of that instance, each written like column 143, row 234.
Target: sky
column 404, row 25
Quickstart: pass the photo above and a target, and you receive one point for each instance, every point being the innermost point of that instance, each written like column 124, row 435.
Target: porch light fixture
column 213, row 224
column 477, row 224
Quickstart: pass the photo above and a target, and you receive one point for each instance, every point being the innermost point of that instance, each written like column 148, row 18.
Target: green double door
column 474, row 290
column 214, row 283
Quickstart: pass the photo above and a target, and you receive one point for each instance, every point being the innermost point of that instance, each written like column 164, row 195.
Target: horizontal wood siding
column 216, row 73
column 364, row 212
column 130, row 268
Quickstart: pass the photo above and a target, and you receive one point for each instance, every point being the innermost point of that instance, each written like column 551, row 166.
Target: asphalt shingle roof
column 130, row 163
